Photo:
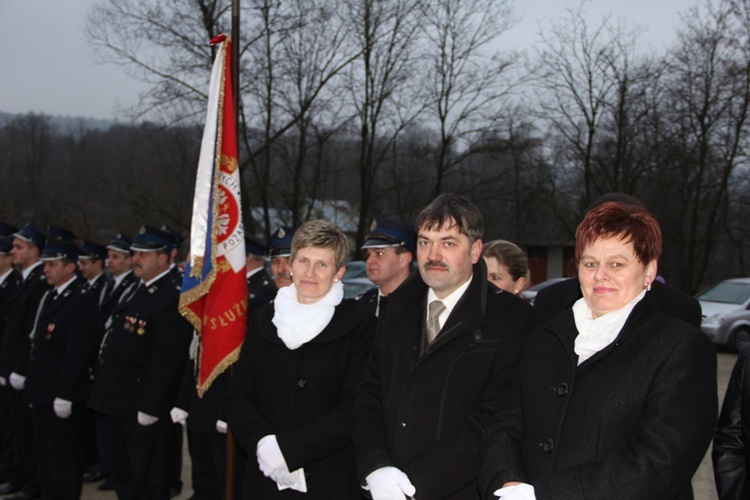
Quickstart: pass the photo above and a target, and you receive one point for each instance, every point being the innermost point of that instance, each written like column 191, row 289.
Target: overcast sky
column 45, row 65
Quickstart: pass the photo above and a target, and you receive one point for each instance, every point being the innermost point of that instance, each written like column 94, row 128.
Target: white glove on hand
column 145, row 419
column 221, row 426
column 18, row 382
column 523, row 491
column 179, row 416
column 3, row 381
column 271, row 461
column 389, row 483
column 63, row 408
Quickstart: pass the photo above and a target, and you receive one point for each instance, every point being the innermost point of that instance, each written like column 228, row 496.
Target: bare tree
column 385, row 34
column 464, row 77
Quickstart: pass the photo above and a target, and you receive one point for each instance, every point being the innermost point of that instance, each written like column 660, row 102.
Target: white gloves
column 221, row 426
column 62, row 407
column 179, row 416
column 18, row 382
column 521, row 491
column 3, row 381
column 389, row 483
column 271, row 462
column 145, row 419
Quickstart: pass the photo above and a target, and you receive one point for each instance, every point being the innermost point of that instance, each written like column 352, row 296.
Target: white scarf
column 596, row 334
column 297, row 324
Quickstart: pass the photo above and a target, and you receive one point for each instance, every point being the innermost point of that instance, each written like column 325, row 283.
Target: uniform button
column 548, row 446
column 563, row 389
column 403, row 425
column 301, row 383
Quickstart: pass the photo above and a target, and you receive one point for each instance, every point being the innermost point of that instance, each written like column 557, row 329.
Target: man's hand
column 145, row 419
column 63, row 408
column 178, row 415
column 389, row 483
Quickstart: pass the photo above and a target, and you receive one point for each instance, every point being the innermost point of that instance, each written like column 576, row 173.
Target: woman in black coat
column 289, row 402
column 614, row 399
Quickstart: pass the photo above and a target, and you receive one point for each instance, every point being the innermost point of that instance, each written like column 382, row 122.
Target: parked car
column 530, row 293
column 725, row 308
column 355, row 269
column 356, row 286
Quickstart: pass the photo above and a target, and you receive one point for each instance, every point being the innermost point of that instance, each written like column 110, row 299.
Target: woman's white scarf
column 297, row 324
column 596, row 334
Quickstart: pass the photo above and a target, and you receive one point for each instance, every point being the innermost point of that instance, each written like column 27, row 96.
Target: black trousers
column 140, row 456
column 59, row 451
column 8, row 469
column 208, row 456
column 23, row 441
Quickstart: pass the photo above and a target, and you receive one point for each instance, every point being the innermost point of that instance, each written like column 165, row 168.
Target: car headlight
column 716, row 319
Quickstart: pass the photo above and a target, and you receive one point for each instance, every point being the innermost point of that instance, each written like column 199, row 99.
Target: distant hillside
column 64, row 124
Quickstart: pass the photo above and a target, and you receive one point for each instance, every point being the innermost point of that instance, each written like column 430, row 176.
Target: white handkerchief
column 299, row 484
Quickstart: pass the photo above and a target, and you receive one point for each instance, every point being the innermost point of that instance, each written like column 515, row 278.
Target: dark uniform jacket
column 109, row 299
column 731, row 453
column 143, row 353
column 63, row 346
column 303, row 396
column 672, row 302
column 425, row 413
column 631, row 422
column 97, row 286
column 7, row 291
column 261, row 284
column 19, row 321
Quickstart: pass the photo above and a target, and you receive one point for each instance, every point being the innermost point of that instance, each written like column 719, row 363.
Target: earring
column 648, row 287
column 335, row 280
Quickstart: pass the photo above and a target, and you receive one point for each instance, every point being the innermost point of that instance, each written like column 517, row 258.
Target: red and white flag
column 214, row 288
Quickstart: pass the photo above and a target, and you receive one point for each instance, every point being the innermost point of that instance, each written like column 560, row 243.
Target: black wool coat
column 731, row 448
column 108, row 302
column 143, row 354
column 63, row 346
column 424, row 413
column 631, row 422
column 303, row 396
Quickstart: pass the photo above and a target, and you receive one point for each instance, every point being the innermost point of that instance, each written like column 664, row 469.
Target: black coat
column 425, row 414
column 19, row 321
column 261, row 284
column 672, row 302
column 631, row 422
column 731, row 450
column 143, row 354
column 7, row 291
column 303, row 396
column 63, row 347
column 108, row 302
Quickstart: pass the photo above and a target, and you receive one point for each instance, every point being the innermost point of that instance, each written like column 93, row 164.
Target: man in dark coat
column 28, row 244
column 91, row 263
column 434, row 378
column 63, row 345
column 672, row 302
column 137, row 375
column 389, row 248
column 259, row 282
column 731, row 448
column 10, row 279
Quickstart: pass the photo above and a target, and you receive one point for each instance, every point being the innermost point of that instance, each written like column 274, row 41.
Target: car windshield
column 727, row 292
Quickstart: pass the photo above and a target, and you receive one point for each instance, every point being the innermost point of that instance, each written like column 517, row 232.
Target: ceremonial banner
column 214, row 288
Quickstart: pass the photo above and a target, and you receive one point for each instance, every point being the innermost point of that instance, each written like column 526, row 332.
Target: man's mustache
column 432, row 263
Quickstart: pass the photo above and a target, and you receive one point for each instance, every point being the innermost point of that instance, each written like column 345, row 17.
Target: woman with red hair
column 614, row 399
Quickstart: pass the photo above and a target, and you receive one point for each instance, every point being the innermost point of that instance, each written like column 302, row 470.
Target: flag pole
column 231, row 454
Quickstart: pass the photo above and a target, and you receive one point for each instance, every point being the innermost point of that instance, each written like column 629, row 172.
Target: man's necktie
column 433, row 325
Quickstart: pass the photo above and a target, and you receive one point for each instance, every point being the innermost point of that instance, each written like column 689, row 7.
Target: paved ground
column 703, row 482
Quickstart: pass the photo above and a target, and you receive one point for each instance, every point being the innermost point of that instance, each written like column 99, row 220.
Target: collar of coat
column 468, row 314
column 563, row 326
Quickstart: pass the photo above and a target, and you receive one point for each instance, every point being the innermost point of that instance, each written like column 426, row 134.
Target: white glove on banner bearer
column 523, row 491
column 63, row 408
column 18, row 382
column 179, row 416
column 145, row 419
column 389, row 483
